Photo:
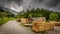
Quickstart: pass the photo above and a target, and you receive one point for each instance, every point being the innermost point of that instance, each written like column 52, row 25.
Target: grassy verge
column 5, row 20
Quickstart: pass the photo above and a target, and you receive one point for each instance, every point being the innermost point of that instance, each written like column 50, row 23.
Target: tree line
column 49, row 15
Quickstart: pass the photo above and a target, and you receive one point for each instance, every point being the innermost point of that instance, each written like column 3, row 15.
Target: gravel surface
column 13, row 27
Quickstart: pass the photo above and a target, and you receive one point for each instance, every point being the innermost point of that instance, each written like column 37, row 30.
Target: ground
column 13, row 27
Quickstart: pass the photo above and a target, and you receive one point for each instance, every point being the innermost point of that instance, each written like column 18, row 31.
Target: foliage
column 38, row 13
column 53, row 16
column 6, row 16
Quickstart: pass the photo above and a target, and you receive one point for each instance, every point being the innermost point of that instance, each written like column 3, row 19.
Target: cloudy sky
column 28, row 4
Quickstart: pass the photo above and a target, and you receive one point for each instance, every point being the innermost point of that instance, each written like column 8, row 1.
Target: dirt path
column 12, row 27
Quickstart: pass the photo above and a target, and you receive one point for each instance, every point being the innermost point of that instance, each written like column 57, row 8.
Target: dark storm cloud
column 53, row 3
column 38, row 0
column 28, row 4
column 10, row 2
column 32, row 4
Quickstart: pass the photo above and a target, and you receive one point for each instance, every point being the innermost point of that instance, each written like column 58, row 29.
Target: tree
column 53, row 16
column 30, row 15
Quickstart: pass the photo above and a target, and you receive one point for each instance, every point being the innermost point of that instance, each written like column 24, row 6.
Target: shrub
column 53, row 16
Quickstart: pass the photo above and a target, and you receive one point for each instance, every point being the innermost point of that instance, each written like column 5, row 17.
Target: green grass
column 11, row 18
column 5, row 20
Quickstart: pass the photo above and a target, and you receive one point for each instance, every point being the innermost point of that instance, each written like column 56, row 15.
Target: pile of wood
column 24, row 20
column 55, row 22
column 38, row 27
column 39, row 24
column 18, row 20
column 41, row 20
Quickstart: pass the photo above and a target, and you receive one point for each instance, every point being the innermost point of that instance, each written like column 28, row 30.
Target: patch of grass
column 11, row 18
column 4, row 20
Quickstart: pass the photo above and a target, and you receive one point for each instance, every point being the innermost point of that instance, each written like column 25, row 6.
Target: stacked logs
column 24, row 20
column 55, row 22
column 18, row 20
column 41, row 25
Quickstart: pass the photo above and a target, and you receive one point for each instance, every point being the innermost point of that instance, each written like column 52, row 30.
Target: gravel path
column 13, row 27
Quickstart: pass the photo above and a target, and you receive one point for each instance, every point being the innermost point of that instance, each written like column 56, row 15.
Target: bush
column 53, row 16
